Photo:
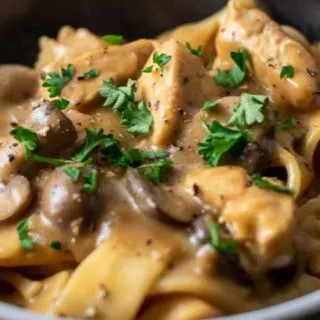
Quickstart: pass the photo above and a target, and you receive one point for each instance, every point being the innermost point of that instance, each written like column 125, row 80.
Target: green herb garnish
column 91, row 182
column 148, row 69
column 209, row 105
column 27, row 137
column 114, row 39
column 90, row 74
column 72, row 172
column 57, row 82
column 228, row 246
column 60, row 104
column 56, row 245
column 249, row 111
column 220, row 141
column 26, row 242
column 287, row 71
column 156, row 172
column 231, row 79
column 288, row 123
column 262, row 183
column 160, row 59
column 196, row 52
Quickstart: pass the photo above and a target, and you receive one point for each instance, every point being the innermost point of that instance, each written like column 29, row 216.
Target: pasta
column 166, row 179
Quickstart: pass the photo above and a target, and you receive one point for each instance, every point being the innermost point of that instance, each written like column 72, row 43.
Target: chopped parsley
column 56, row 245
column 209, row 105
column 196, row 52
column 156, row 172
column 227, row 246
column 60, row 104
column 26, row 242
column 27, row 137
column 220, row 141
column 249, row 111
column 48, row 160
column 73, row 173
column 160, row 59
column 94, row 138
column 231, row 79
column 114, row 39
column 57, row 82
column 136, row 116
column 90, row 74
column 262, row 183
column 287, row 71
column 91, row 182
column 288, row 123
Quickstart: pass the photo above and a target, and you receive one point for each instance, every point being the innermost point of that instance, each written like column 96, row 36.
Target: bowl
column 22, row 22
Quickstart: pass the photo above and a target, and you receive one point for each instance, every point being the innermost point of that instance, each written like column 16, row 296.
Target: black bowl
column 23, row 21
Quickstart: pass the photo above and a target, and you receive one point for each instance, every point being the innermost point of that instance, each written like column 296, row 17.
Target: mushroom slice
column 163, row 203
column 15, row 196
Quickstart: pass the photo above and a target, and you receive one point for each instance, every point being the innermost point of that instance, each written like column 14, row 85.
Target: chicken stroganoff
column 169, row 179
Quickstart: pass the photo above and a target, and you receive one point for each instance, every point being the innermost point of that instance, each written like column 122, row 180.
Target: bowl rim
column 293, row 309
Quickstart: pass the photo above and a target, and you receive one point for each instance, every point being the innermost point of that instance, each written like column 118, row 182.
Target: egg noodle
column 170, row 179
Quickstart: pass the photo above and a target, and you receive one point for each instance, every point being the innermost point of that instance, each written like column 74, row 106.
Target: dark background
column 23, row 21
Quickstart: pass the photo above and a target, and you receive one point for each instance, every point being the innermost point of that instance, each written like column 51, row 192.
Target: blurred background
column 23, row 21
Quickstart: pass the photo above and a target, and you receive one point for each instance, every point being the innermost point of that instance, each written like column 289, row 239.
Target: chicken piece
column 270, row 49
column 260, row 220
column 70, row 43
column 217, row 186
column 174, row 92
column 119, row 63
column 200, row 33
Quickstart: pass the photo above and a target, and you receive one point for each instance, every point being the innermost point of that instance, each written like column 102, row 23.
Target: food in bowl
column 173, row 178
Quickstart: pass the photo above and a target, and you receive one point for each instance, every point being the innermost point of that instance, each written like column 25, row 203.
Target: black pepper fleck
column 11, row 157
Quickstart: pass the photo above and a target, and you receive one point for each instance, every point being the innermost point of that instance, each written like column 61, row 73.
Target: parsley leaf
column 262, row 183
column 197, row 52
column 231, row 79
column 47, row 160
column 229, row 246
column 287, row 71
column 72, row 172
column 208, row 105
column 156, row 172
column 249, row 111
column 60, row 104
column 288, row 123
column 117, row 97
column 148, row 69
column 137, row 118
column 90, row 74
column 27, row 137
column 114, row 39
column 220, row 141
column 57, row 82
column 26, row 242
column 94, row 137
column 91, row 182
column 56, row 245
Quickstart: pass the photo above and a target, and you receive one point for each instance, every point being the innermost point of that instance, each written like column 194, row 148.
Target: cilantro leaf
column 288, row 123
column 220, row 141
column 60, row 104
column 117, row 97
column 114, row 39
column 94, row 138
column 231, row 79
column 229, row 246
column 262, row 183
column 249, row 111
column 90, row 74
column 161, row 59
column 26, row 242
column 56, row 245
column 73, row 173
column 287, row 71
column 57, row 82
column 27, row 137
column 91, row 182
column 208, row 105
column 197, row 52
column 156, row 171
column 137, row 118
